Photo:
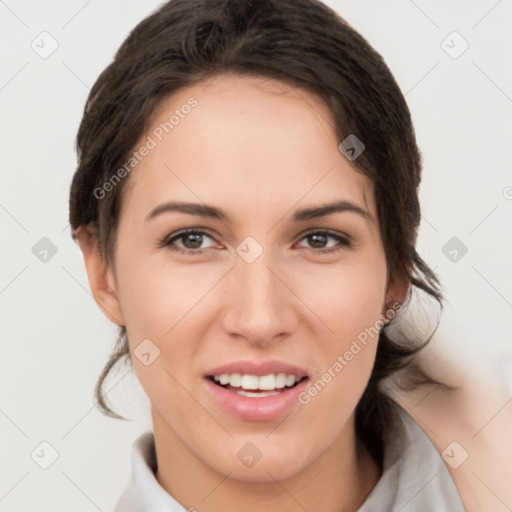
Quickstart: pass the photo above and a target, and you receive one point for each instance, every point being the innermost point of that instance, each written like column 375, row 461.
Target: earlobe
column 101, row 280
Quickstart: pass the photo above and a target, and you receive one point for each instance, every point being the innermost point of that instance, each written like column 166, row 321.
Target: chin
column 265, row 464
column 267, row 472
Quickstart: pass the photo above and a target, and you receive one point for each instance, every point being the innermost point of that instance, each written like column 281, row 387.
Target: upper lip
column 258, row 368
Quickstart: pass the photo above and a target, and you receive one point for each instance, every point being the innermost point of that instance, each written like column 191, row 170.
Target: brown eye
column 318, row 240
column 191, row 241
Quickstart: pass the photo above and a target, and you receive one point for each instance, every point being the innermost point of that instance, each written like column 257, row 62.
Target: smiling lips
column 256, row 392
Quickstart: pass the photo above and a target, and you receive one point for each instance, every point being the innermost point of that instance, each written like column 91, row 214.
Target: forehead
column 253, row 141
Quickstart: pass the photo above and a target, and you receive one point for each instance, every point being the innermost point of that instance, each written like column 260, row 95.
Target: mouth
column 256, row 392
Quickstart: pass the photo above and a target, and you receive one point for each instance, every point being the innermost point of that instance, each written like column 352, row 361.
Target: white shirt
column 414, row 478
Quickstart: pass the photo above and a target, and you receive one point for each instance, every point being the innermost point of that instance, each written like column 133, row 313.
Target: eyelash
column 168, row 241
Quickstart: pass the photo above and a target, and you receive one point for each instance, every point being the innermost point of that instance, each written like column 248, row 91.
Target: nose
column 260, row 304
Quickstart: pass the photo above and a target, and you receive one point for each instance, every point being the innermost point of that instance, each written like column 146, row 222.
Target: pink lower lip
column 256, row 409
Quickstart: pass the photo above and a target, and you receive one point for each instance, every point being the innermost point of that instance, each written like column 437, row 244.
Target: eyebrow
column 213, row 212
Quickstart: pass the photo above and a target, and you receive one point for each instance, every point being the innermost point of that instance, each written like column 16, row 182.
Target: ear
column 398, row 288
column 101, row 278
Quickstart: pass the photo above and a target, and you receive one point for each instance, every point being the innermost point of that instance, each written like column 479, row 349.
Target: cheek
column 349, row 302
column 347, row 298
column 154, row 294
column 167, row 304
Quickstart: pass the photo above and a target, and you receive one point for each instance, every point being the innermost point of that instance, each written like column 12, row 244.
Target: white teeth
column 280, row 380
column 235, row 380
column 253, row 382
column 267, row 382
column 224, row 379
column 290, row 380
column 250, row 382
column 263, row 394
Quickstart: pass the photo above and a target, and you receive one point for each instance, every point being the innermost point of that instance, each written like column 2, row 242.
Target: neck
column 339, row 480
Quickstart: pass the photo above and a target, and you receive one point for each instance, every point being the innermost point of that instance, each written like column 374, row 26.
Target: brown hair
column 305, row 44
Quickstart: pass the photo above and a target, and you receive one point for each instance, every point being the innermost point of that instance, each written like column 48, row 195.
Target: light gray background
column 55, row 340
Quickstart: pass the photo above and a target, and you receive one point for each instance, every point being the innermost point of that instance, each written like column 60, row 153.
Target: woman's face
column 262, row 289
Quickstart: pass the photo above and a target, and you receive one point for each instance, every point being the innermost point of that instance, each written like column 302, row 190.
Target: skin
column 252, row 145
column 476, row 414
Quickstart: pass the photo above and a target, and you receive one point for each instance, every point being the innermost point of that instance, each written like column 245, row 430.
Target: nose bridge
column 259, row 304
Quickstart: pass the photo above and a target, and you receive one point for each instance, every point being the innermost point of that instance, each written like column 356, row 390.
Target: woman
column 246, row 201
